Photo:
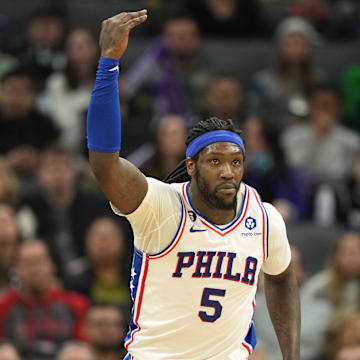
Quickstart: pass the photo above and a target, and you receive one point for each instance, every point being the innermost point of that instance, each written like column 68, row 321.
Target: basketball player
column 201, row 237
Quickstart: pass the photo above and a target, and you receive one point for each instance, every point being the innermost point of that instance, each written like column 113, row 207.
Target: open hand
column 115, row 31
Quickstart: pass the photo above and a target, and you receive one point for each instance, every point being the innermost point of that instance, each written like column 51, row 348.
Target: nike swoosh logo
column 196, row 230
column 114, row 68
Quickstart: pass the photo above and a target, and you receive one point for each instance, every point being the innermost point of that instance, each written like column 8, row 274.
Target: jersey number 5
column 214, row 304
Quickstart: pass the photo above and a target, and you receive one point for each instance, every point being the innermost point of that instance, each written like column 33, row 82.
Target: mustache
column 227, row 184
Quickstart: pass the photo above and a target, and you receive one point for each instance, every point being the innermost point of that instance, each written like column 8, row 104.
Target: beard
column 210, row 198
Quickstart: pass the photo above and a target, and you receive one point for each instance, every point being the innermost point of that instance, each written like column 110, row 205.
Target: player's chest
column 232, row 253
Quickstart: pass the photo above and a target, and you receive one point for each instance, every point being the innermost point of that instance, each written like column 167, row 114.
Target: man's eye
column 236, row 162
column 215, row 161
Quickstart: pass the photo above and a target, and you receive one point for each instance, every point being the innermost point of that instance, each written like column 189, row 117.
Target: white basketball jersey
column 195, row 300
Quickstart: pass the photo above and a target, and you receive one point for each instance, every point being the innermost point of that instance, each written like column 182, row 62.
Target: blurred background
column 286, row 71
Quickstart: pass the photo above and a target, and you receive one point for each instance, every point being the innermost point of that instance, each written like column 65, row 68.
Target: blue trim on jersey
column 267, row 224
column 177, row 231
column 127, row 357
column 251, row 336
column 134, row 283
column 267, row 233
column 216, row 226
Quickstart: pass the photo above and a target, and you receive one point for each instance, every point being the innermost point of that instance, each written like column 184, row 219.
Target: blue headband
column 212, row 137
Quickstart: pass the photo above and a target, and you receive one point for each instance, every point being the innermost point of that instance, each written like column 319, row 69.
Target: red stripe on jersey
column 139, row 302
column 263, row 219
column 183, row 192
column 247, row 347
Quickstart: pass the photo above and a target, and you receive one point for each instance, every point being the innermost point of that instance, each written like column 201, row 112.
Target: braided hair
column 202, row 127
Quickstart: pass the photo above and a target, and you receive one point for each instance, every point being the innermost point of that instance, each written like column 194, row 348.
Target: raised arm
column 124, row 185
column 282, row 298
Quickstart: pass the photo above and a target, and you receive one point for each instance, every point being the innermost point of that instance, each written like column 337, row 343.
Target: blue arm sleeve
column 104, row 119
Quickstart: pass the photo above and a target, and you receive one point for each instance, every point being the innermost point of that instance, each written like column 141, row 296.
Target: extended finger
column 129, row 15
column 137, row 14
column 136, row 21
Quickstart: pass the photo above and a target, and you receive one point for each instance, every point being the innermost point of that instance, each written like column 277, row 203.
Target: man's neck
column 216, row 216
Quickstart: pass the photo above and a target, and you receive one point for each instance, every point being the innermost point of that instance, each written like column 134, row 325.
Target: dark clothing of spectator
column 38, row 328
column 354, row 196
column 34, row 130
column 64, row 228
column 86, row 283
column 40, row 61
column 289, row 184
column 247, row 20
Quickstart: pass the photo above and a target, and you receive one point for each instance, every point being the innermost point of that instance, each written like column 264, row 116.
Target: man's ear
column 190, row 166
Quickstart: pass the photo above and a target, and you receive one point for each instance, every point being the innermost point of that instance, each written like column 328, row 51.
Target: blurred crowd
column 65, row 257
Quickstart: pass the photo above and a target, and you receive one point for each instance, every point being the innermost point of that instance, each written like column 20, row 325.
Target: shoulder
column 8, row 300
column 9, row 296
column 74, row 300
column 277, row 226
column 297, row 131
column 159, row 194
column 272, row 212
column 157, row 187
column 56, row 81
column 316, row 286
column 350, row 136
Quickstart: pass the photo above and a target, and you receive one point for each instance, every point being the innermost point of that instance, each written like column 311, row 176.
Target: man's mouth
column 227, row 189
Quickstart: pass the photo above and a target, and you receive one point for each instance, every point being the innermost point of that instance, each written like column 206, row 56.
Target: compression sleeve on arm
column 104, row 118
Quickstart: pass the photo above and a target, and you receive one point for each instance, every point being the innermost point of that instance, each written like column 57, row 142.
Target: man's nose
column 226, row 171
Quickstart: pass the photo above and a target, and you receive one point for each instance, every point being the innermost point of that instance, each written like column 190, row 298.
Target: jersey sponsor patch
column 250, row 223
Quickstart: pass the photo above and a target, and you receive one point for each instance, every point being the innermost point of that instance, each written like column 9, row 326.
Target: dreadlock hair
column 202, row 127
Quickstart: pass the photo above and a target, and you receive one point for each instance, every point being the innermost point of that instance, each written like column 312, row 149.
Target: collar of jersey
column 210, row 224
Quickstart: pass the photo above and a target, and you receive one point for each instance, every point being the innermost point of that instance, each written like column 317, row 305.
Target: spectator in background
column 225, row 99
column 339, row 283
column 10, row 193
column 41, row 48
column 323, row 147
column 343, row 333
column 312, row 332
column 75, row 350
column 9, row 184
column 63, row 211
column 67, row 93
column 351, row 92
column 348, row 352
column 266, row 169
column 9, row 241
column 106, row 278
column 283, row 89
column 169, row 148
column 23, row 130
column 8, row 351
column 333, row 19
column 228, row 18
column 344, row 22
column 105, row 330
column 352, row 185
column 39, row 316
column 171, row 76
column 317, row 12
